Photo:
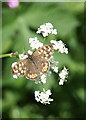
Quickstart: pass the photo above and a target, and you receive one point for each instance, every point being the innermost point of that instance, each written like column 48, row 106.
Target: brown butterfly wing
column 19, row 68
column 25, row 67
column 41, row 57
column 44, row 52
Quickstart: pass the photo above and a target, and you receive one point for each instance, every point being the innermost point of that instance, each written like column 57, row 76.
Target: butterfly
column 34, row 64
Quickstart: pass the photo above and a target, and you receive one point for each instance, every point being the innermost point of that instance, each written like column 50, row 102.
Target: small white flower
column 34, row 43
column 43, row 97
column 13, row 64
column 22, row 56
column 45, row 34
column 55, row 69
column 48, row 92
column 46, row 29
column 15, row 76
column 63, row 75
column 49, row 73
column 37, row 81
column 66, row 50
column 61, row 82
column 53, row 62
column 60, row 46
column 30, row 52
column 43, row 78
column 54, row 31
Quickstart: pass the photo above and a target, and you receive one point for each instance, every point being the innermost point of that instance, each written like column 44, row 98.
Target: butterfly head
column 30, row 56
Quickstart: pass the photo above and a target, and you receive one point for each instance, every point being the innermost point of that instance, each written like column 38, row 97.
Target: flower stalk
column 9, row 55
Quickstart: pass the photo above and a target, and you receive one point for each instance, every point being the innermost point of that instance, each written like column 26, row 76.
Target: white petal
column 15, row 76
column 30, row 52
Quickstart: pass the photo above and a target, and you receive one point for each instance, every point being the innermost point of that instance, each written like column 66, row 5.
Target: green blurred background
column 21, row 23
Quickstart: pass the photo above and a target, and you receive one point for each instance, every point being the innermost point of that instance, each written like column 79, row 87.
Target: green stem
column 5, row 55
column 44, row 40
column 43, row 86
column 9, row 55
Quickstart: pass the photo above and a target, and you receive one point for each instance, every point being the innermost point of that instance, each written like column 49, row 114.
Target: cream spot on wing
column 15, row 71
column 45, row 52
column 20, row 68
column 16, row 66
column 28, row 75
column 19, row 74
column 20, row 65
column 39, row 52
column 49, row 49
column 44, row 69
column 44, row 47
column 46, row 55
column 46, row 58
column 22, row 71
column 42, row 57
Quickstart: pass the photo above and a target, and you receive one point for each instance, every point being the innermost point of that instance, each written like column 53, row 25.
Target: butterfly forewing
column 41, row 57
column 44, row 52
column 42, row 65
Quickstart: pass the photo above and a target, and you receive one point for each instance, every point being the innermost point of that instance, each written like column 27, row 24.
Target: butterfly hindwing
column 19, row 68
column 32, row 72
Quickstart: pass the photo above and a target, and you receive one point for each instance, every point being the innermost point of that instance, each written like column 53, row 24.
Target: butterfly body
column 35, row 64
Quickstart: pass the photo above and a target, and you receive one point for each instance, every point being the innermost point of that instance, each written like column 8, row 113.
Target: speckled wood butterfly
column 35, row 64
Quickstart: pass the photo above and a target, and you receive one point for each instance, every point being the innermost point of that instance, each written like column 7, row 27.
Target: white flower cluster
column 63, row 75
column 34, row 43
column 43, row 97
column 60, row 46
column 46, row 29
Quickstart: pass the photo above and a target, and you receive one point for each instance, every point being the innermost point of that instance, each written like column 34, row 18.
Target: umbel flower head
column 46, row 29
column 39, row 62
column 60, row 46
column 63, row 75
column 34, row 43
column 43, row 97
